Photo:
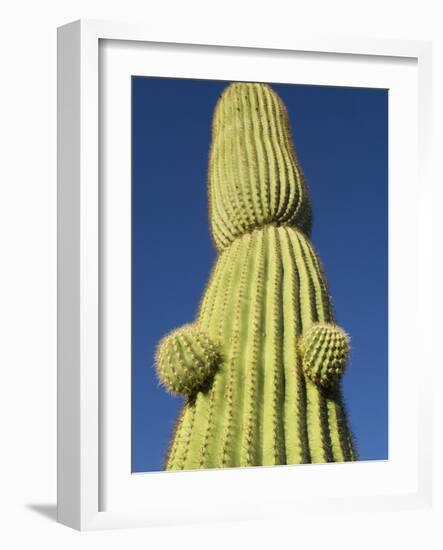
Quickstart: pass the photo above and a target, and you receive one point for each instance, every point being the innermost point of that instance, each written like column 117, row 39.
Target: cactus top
column 254, row 176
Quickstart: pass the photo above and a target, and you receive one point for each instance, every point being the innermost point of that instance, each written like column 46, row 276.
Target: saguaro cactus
column 260, row 366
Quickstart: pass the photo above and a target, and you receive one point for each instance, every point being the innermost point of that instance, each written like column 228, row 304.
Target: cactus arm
column 186, row 359
column 325, row 351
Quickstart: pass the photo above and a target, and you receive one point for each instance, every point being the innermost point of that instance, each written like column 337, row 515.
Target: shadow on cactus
column 260, row 366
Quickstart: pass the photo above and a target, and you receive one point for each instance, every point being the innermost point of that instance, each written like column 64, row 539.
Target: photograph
column 259, row 274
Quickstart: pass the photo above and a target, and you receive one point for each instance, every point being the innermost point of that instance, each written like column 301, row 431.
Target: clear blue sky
column 341, row 140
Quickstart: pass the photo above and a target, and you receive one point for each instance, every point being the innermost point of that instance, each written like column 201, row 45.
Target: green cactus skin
column 186, row 360
column 325, row 351
column 261, row 365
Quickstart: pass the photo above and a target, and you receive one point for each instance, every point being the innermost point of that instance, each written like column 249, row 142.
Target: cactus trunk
column 261, row 409
column 274, row 396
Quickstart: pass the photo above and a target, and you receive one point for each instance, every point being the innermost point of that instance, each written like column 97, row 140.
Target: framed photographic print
column 241, row 263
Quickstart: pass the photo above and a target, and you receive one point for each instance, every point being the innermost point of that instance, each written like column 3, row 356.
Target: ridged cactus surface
column 254, row 176
column 260, row 367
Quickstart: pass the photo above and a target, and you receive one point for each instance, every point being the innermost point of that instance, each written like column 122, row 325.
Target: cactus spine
column 261, row 365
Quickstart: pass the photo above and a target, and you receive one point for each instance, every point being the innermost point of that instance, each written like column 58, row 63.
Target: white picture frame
column 96, row 489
